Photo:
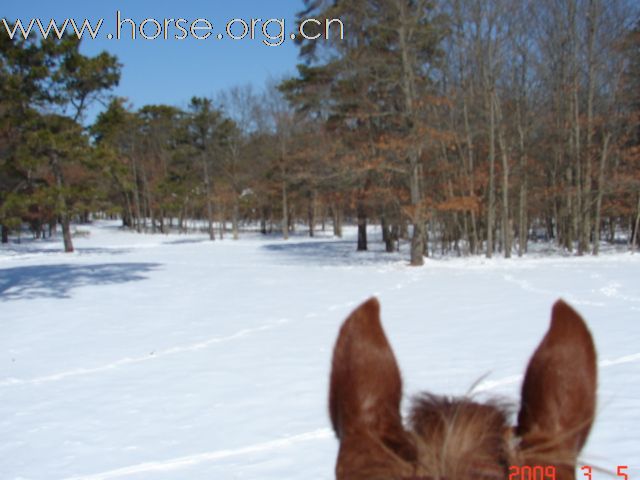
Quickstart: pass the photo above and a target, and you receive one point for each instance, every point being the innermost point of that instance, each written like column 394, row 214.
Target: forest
column 459, row 127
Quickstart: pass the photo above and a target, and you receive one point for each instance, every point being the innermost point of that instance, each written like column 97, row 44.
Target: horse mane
column 461, row 438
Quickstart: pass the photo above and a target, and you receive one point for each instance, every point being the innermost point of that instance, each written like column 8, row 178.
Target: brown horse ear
column 559, row 391
column 366, row 387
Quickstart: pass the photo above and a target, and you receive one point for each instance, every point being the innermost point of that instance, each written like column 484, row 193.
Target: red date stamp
column 532, row 472
column 548, row 472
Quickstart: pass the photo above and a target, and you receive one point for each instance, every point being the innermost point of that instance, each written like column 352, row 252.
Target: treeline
column 464, row 126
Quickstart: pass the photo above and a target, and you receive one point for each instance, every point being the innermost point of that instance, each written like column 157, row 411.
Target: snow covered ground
column 172, row 357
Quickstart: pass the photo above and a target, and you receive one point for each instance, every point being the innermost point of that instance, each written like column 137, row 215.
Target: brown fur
column 459, row 439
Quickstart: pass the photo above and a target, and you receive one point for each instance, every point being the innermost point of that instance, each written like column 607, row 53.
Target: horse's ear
column 366, row 387
column 559, row 391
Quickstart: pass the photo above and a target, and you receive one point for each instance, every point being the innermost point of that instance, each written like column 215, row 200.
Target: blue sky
column 172, row 71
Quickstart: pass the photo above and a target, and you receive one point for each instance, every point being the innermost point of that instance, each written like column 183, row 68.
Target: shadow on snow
column 334, row 253
column 186, row 241
column 57, row 281
column 54, row 247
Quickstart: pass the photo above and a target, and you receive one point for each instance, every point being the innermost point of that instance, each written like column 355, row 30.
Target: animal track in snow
column 607, row 362
column 190, row 460
column 141, row 359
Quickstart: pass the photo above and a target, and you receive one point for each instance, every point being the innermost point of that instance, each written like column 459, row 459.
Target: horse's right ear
column 559, row 392
column 366, row 388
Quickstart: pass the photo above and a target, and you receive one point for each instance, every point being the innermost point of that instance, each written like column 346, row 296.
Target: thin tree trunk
column 587, row 203
column 569, row 220
column 136, row 195
column 285, row 212
column 522, row 203
column 473, row 238
column 523, row 221
column 506, row 224
column 603, row 161
column 467, row 163
column 5, row 234
column 207, row 192
column 576, row 211
column 222, row 223
column 311, row 214
column 492, row 155
column 636, row 225
column 146, row 196
column 455, row 227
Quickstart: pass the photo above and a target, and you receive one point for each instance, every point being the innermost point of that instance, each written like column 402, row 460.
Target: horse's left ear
column 559, row 391
column 366, row 387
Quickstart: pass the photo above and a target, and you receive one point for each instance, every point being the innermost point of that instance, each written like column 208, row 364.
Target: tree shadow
column 186, row 241
column 54, row 247
column 335, row 253
column 57, row 281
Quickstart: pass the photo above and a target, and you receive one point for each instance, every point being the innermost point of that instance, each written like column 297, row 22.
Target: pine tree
column 373, row 86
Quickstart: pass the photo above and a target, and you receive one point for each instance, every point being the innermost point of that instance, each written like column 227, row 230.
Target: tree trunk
column 417, row 239
column 409, row 93
column 506, row 224
column 577, row 208
column 285, row 212
column 569, row 214
column 311, row 214
column 492, row 156
column 337, row 220
column 5, row 234
column 66, row 232
column 611, row 237
column 523, row 221
column 235, row 218
column 596, row 226
column 395, row 236
column 636, row 225
column 387, row 235
column 62, row 204
column 362, row 228
column 291, row 217
column 127, row 215
column 263, row 220
column 207, row 192
column 586, row 203
column 473, row 240
column 222, row 223
column 136, row 195
column 146, row 197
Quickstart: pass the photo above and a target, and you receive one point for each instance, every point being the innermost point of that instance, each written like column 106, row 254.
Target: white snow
column 172, row 357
